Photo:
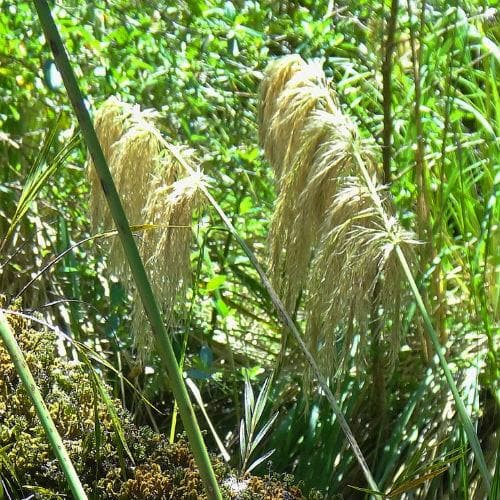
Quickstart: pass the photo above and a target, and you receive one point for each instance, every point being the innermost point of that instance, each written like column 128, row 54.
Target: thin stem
column 424, row 225
column 48, row 425
column 131, row 252
column 387, row 91
column 462, row 412
column 378, row 371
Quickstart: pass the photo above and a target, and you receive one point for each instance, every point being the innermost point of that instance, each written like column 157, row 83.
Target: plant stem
column 462, row 412
column 387, row 91
column 424, row 225
column 130, row 248
column 48, row 425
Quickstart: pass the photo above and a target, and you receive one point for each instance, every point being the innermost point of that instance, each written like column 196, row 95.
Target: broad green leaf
column 216, row 282
column 246, row 205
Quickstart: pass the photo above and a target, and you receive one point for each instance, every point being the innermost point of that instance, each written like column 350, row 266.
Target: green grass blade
column 38, row 176
column 29, row 383
column 495, row 485
column 462, row 412
column 261, row 434
column 259, row 460
column 199, row 400
column 110, row 407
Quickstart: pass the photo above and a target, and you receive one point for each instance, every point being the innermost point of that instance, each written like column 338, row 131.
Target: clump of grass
column 328, row 234
column 159, row 185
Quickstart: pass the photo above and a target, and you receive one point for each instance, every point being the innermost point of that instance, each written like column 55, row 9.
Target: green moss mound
column 159, row 470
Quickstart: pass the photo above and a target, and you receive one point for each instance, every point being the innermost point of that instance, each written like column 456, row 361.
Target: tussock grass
column 159, row 186
column 328, row 234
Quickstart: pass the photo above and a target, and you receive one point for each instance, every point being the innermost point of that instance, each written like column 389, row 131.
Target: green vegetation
column 360, row 173
column 93, row 436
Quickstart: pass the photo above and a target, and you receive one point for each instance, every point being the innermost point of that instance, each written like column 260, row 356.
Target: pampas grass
column 167, row 250
column 304, row 197
column 355, row 277
column 159, row 186
column 292, row 85
column 333, row 234
column 131, row 144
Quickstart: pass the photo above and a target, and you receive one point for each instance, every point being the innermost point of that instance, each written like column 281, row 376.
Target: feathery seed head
column 159, row 186
column 332, row 234
column 289, row 92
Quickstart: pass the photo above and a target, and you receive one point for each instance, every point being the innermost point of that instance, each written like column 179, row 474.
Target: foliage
column 199, row 64
column 250, row 434
column 149, row 467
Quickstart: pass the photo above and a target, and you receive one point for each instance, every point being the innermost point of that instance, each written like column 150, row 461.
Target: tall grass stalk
column 387, row 90
column 48, row 425
column 288, row 322
column 378, row 369
column 132, row 254
column 462, row 412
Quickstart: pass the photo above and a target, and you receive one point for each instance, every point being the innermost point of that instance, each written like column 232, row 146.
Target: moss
column 160, row 470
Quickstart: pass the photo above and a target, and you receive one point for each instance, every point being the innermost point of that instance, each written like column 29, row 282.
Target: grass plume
column 327, row 234
column 158, row 192
column 289, row 92
column 167, row 249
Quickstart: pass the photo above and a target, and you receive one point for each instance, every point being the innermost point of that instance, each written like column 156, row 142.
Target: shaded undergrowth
column 114, row 459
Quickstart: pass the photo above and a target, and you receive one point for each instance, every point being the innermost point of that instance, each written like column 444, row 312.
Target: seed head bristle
column 352, row 256
column 320, row 160
column 277, row 74
column 282, row 119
